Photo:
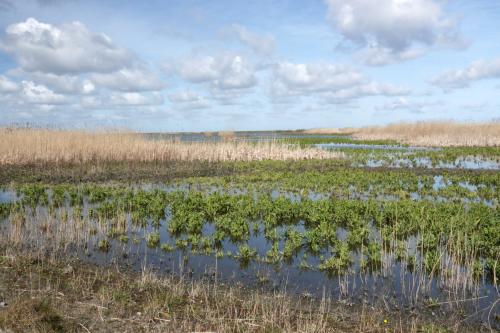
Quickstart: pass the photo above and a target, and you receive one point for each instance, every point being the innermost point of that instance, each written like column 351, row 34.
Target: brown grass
column 26, row 146
column 438, row 133
column 68, row 296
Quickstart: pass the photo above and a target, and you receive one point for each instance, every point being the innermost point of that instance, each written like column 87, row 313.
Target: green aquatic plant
column 233, row 226
column 181, row 243
column 245, row 254
column 104, row 245
column 400, row 250
column 113, row 232
column 273, row 255
column 293, row 243
column 411, row 263
column 339, row 262
column 166, row 247
column 5, row 209
column 358, row 235
column 431, row 261
column 374, row 252
column 123, row 238
column 59, row 195
column 304, row 264
column 33, row 195
column 153, row 239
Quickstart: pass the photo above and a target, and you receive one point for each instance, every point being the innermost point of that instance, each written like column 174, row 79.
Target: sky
column 193, row 65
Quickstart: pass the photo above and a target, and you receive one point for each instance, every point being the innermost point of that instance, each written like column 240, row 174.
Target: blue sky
column 219, row 65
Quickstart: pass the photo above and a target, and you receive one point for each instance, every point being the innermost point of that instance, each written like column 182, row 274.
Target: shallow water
column 238, row 136
column 399, row 287
column 9, row 195
column 467, row 164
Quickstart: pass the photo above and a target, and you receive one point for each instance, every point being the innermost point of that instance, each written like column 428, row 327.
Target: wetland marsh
column 375, row 225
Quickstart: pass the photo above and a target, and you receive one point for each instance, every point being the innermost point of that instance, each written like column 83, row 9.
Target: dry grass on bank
column 435, row 133
column 26, row 146
column 45, row 295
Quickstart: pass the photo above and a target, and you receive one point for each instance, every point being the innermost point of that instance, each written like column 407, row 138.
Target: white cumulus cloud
column 135, row 98
column 188, row 100
column 122, row 100
column 393, row 30
column 403, row 103
column 260, row 43
column 39, row 94
column 7, row 85
column 69, row 67
column 224, row 71
column 67, row 49
column 129, row 80
column 331, row 82
column 366, row 89
column 316, row 76
column 461, row 78
column 62, row 84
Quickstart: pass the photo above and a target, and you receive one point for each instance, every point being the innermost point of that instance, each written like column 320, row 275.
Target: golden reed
column 25, row 146
column 437, row 133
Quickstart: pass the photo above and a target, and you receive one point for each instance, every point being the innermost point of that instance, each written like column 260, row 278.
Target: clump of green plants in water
column 5, row 209
column 245, row 254
column 340, row 261
column 33, row 195
column 104, row 245
column 153, row 239
column 293, row 243
column 167, row 247
column 124, row 238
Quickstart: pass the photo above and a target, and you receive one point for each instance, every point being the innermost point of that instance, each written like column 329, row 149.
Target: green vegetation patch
column 468, row 232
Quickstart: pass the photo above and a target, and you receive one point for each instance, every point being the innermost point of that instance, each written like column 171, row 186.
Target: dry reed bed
column 435, row 133
column 25, row 146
